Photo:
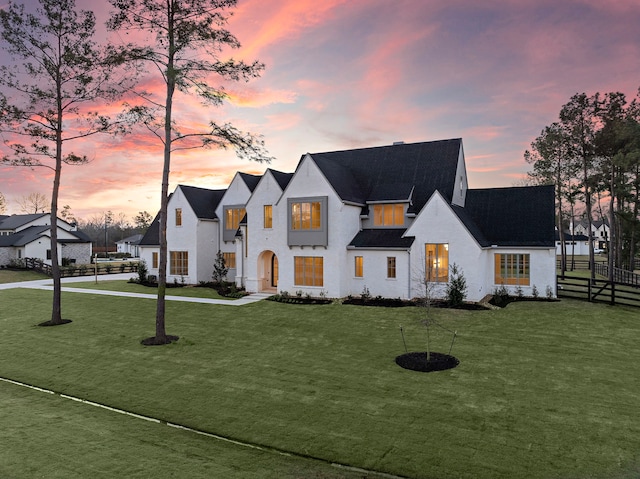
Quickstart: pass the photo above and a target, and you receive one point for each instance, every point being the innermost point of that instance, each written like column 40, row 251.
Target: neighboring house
column 374, row 219
column 577, row 244
column 29, row 236
column 129, row 245
column 599, row 232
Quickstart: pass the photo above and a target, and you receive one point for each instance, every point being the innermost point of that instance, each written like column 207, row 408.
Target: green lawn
column 14, row 276
column 543, row 390
column 125, row 286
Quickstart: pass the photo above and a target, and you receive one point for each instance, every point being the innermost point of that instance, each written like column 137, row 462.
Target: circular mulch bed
column 154, row 341
column 417, row 361
column 50, row 323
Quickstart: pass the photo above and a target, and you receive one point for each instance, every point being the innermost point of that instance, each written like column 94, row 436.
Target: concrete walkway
column 47, row 284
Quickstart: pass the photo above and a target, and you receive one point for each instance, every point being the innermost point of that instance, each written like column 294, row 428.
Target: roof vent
column 398, row 143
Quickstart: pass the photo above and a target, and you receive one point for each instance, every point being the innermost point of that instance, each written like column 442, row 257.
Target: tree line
column 592, row 156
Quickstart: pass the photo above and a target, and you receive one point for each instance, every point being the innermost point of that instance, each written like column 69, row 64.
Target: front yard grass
column 105, row 284
column 543, row 390
column 14, row 276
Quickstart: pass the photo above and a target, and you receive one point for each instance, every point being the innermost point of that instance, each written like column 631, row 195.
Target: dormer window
column 388, row 214
column 232, row 217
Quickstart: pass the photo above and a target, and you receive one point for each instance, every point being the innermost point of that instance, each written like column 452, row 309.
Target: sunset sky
column 345, row 74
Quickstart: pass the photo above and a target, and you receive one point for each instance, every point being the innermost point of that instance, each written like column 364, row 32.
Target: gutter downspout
column 409, row 273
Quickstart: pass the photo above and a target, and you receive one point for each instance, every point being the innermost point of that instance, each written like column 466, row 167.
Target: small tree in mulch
column 430, row 360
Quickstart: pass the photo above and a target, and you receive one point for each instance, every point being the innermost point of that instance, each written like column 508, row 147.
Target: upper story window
column 178, row 216
column 388, row 215
column 307, row 221
column 232, row 217
column 268, row 216
column 306, row 215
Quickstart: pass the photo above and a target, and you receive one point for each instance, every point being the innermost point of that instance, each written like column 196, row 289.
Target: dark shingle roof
column 16, row 221
column 152, row 235
column 32, row 233
column 203, row 201
column 371, row 174
column 281, row 178
column 382, row 238
column 250, row 180
column 133, row 239
column 518, row 216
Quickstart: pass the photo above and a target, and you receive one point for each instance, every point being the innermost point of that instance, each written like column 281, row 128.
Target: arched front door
column 268, row 271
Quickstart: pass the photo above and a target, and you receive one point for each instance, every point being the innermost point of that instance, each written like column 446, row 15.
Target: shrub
column 220, row 269
column 534, row 292
column 142, row 271
column 457, row 286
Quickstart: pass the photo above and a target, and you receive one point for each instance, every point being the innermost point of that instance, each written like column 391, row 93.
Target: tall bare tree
column 3, row 204
column 185, row 41
column 33, row 203
column 50, row 94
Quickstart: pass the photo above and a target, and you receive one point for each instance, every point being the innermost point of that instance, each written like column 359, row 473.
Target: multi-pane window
column 306, row 215
column 233, row 217
column 179, row 263
column 388, row 215
column 308, row 270
column 359, row 266
column 268, row 216
column 229, row 260
column 391, row 266
column 154, row 259
column 437, row 262
column 178, row 216
column 512, row 269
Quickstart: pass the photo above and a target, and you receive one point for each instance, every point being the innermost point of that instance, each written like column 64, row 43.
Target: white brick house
column 377, row 218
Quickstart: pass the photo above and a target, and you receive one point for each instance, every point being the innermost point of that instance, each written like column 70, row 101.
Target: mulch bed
column 154, row 341
column 417, row 361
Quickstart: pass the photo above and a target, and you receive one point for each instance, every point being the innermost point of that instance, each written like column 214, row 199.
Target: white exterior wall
column 237, row 194
column 374, row 276
column 146, row 255
column 183, row 237
column 581, row 248
column 437, row 223
column 542, row 270
column 260, row 239
column 343, row 224
column 207, row 248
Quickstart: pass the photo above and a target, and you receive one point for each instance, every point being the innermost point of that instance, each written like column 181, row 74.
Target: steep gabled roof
column 250, row 180
column 517, row 216
column 203, row 201
column 152, row 235
column 388, row 238
column 16, row 221
column 281, row 178
column 32, row 233
column 389, row 173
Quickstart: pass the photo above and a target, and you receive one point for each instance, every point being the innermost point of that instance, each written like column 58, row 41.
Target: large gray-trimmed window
column 233, row 214
column 307, row 221
column 308, row 270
